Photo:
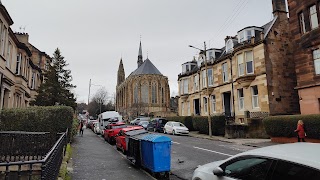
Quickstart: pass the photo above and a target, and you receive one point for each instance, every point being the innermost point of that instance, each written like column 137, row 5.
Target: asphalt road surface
column 94, row 159
column 189, row 152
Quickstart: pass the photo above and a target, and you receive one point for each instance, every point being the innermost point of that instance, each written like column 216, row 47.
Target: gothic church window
column 154, row 93
column 145, row 93
column 135, row 92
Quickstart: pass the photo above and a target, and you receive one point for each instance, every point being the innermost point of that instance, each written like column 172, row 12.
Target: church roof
column 146, row 68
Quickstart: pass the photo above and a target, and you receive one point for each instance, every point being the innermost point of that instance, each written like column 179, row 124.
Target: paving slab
column 94, row 159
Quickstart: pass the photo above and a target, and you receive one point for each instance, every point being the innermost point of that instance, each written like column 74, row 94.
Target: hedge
column 53, row 119
column 186, row 120
column 284, row 126
column 200, row 123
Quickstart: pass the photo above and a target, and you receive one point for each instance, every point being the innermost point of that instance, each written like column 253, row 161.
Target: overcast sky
column 93, row 34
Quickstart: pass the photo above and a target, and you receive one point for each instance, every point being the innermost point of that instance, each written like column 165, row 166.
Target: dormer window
column 229, row 46
column 247, row 33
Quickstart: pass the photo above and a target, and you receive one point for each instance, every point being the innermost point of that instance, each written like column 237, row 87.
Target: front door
column 227, row 103
column 196, row 105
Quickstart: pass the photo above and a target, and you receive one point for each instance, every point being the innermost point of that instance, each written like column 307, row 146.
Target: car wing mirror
column 218, row 171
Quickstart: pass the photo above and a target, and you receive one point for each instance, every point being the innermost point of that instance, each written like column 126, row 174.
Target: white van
column 106, row 118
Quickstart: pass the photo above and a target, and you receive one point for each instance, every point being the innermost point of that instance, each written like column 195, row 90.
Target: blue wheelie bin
column 156, row 154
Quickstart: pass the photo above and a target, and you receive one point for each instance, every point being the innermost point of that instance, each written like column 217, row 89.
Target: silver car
column 296, row 161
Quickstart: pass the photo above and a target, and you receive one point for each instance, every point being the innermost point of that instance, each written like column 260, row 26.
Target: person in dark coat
column 301, row 131
column 81, row 128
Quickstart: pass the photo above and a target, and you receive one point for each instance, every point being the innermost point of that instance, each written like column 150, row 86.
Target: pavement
column 246, row 142
column 94, row 159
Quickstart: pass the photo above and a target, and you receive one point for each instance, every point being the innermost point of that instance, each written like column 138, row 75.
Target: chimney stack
column 279, row 8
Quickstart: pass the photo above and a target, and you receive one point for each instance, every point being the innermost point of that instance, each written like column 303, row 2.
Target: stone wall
column 281, row 77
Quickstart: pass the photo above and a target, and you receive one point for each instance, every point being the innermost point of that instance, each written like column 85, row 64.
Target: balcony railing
column 29, row 155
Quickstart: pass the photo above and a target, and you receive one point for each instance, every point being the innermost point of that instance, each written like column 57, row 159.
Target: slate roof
column 146, row 68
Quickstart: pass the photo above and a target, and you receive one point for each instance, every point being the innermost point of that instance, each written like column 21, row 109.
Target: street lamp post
column 207, row 85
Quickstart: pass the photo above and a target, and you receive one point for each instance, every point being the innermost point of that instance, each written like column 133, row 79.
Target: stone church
column 144, row 92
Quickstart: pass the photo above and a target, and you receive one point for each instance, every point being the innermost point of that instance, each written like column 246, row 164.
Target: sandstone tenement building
column 252, row 76
column 144, row 92
column 304, row 26
column 21, row 65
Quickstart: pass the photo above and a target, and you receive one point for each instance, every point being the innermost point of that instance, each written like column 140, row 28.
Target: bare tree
column 100, row 102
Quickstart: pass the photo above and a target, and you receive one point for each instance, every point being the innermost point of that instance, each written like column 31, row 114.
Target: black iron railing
column 28, row 155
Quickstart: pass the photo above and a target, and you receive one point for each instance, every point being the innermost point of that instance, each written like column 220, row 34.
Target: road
column 189, row 152
column 97, row 160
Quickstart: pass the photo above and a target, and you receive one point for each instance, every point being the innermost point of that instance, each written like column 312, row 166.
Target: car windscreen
column 163, row 121
column 117, row 127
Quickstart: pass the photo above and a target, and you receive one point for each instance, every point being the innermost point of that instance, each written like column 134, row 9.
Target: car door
column 294, row 171
column 167, row 127
column 246, row 168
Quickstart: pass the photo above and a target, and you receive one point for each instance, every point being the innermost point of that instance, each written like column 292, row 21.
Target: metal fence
column 29, row 155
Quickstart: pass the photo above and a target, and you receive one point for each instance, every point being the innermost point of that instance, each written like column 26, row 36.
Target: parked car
column 156, row 124
column 121, row 137
column 96, row 128
column 136, row 121
column 175, row 128
column 111, row 131
column 90, row 124
column 293, row 161
column 144, row 124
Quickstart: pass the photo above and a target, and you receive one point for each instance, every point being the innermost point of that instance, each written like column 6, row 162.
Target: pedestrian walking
column 301, row 131
column 81, row 128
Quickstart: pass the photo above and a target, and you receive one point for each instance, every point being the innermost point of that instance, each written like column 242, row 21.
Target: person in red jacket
column 301, row 131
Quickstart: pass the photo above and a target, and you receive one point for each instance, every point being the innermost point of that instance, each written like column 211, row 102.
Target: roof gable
column 146, row 68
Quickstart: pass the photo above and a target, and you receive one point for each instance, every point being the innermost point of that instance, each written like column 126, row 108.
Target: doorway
column 226, row 96
column 196, row 104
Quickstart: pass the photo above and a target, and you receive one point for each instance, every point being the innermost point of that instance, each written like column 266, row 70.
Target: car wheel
column 173, row 133
column 123, row 151
column 118, row 148
column 154, row 129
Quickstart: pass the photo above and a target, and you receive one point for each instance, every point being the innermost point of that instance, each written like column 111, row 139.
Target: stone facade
column 144, row 92
column 19, row 68
column 306, row 41
column 234, row 89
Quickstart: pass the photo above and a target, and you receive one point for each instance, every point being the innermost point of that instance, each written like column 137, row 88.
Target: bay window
column 255, row 96
column 210, row 77
column 240, row 64
column 241, row 99
column 249, row 62
column 225, row 77
column 213, row 103
column 204, row 80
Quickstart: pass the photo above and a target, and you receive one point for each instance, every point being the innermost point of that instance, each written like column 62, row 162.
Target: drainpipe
column 232, row 88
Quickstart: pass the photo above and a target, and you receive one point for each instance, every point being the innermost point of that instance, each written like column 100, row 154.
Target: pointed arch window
column 145, row 93
column 135, row 92
column 162, row 95
column 154, row 93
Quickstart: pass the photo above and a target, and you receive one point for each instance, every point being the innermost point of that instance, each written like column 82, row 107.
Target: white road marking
column 212, row 151
column 175, row 142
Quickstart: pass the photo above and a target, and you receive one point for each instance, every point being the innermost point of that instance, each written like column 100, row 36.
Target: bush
column 284, row 126
column 74, row 130
column 200, row 123
column 53, row 119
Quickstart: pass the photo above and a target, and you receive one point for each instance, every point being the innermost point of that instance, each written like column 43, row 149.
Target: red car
column 124, row 133
column 112, row 130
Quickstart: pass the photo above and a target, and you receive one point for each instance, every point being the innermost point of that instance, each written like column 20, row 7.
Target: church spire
column 140, row 59
column 121, row 73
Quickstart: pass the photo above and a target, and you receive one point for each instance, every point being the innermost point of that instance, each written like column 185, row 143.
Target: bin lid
column 135, row 132
column 139, row 136
column 156, row 138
